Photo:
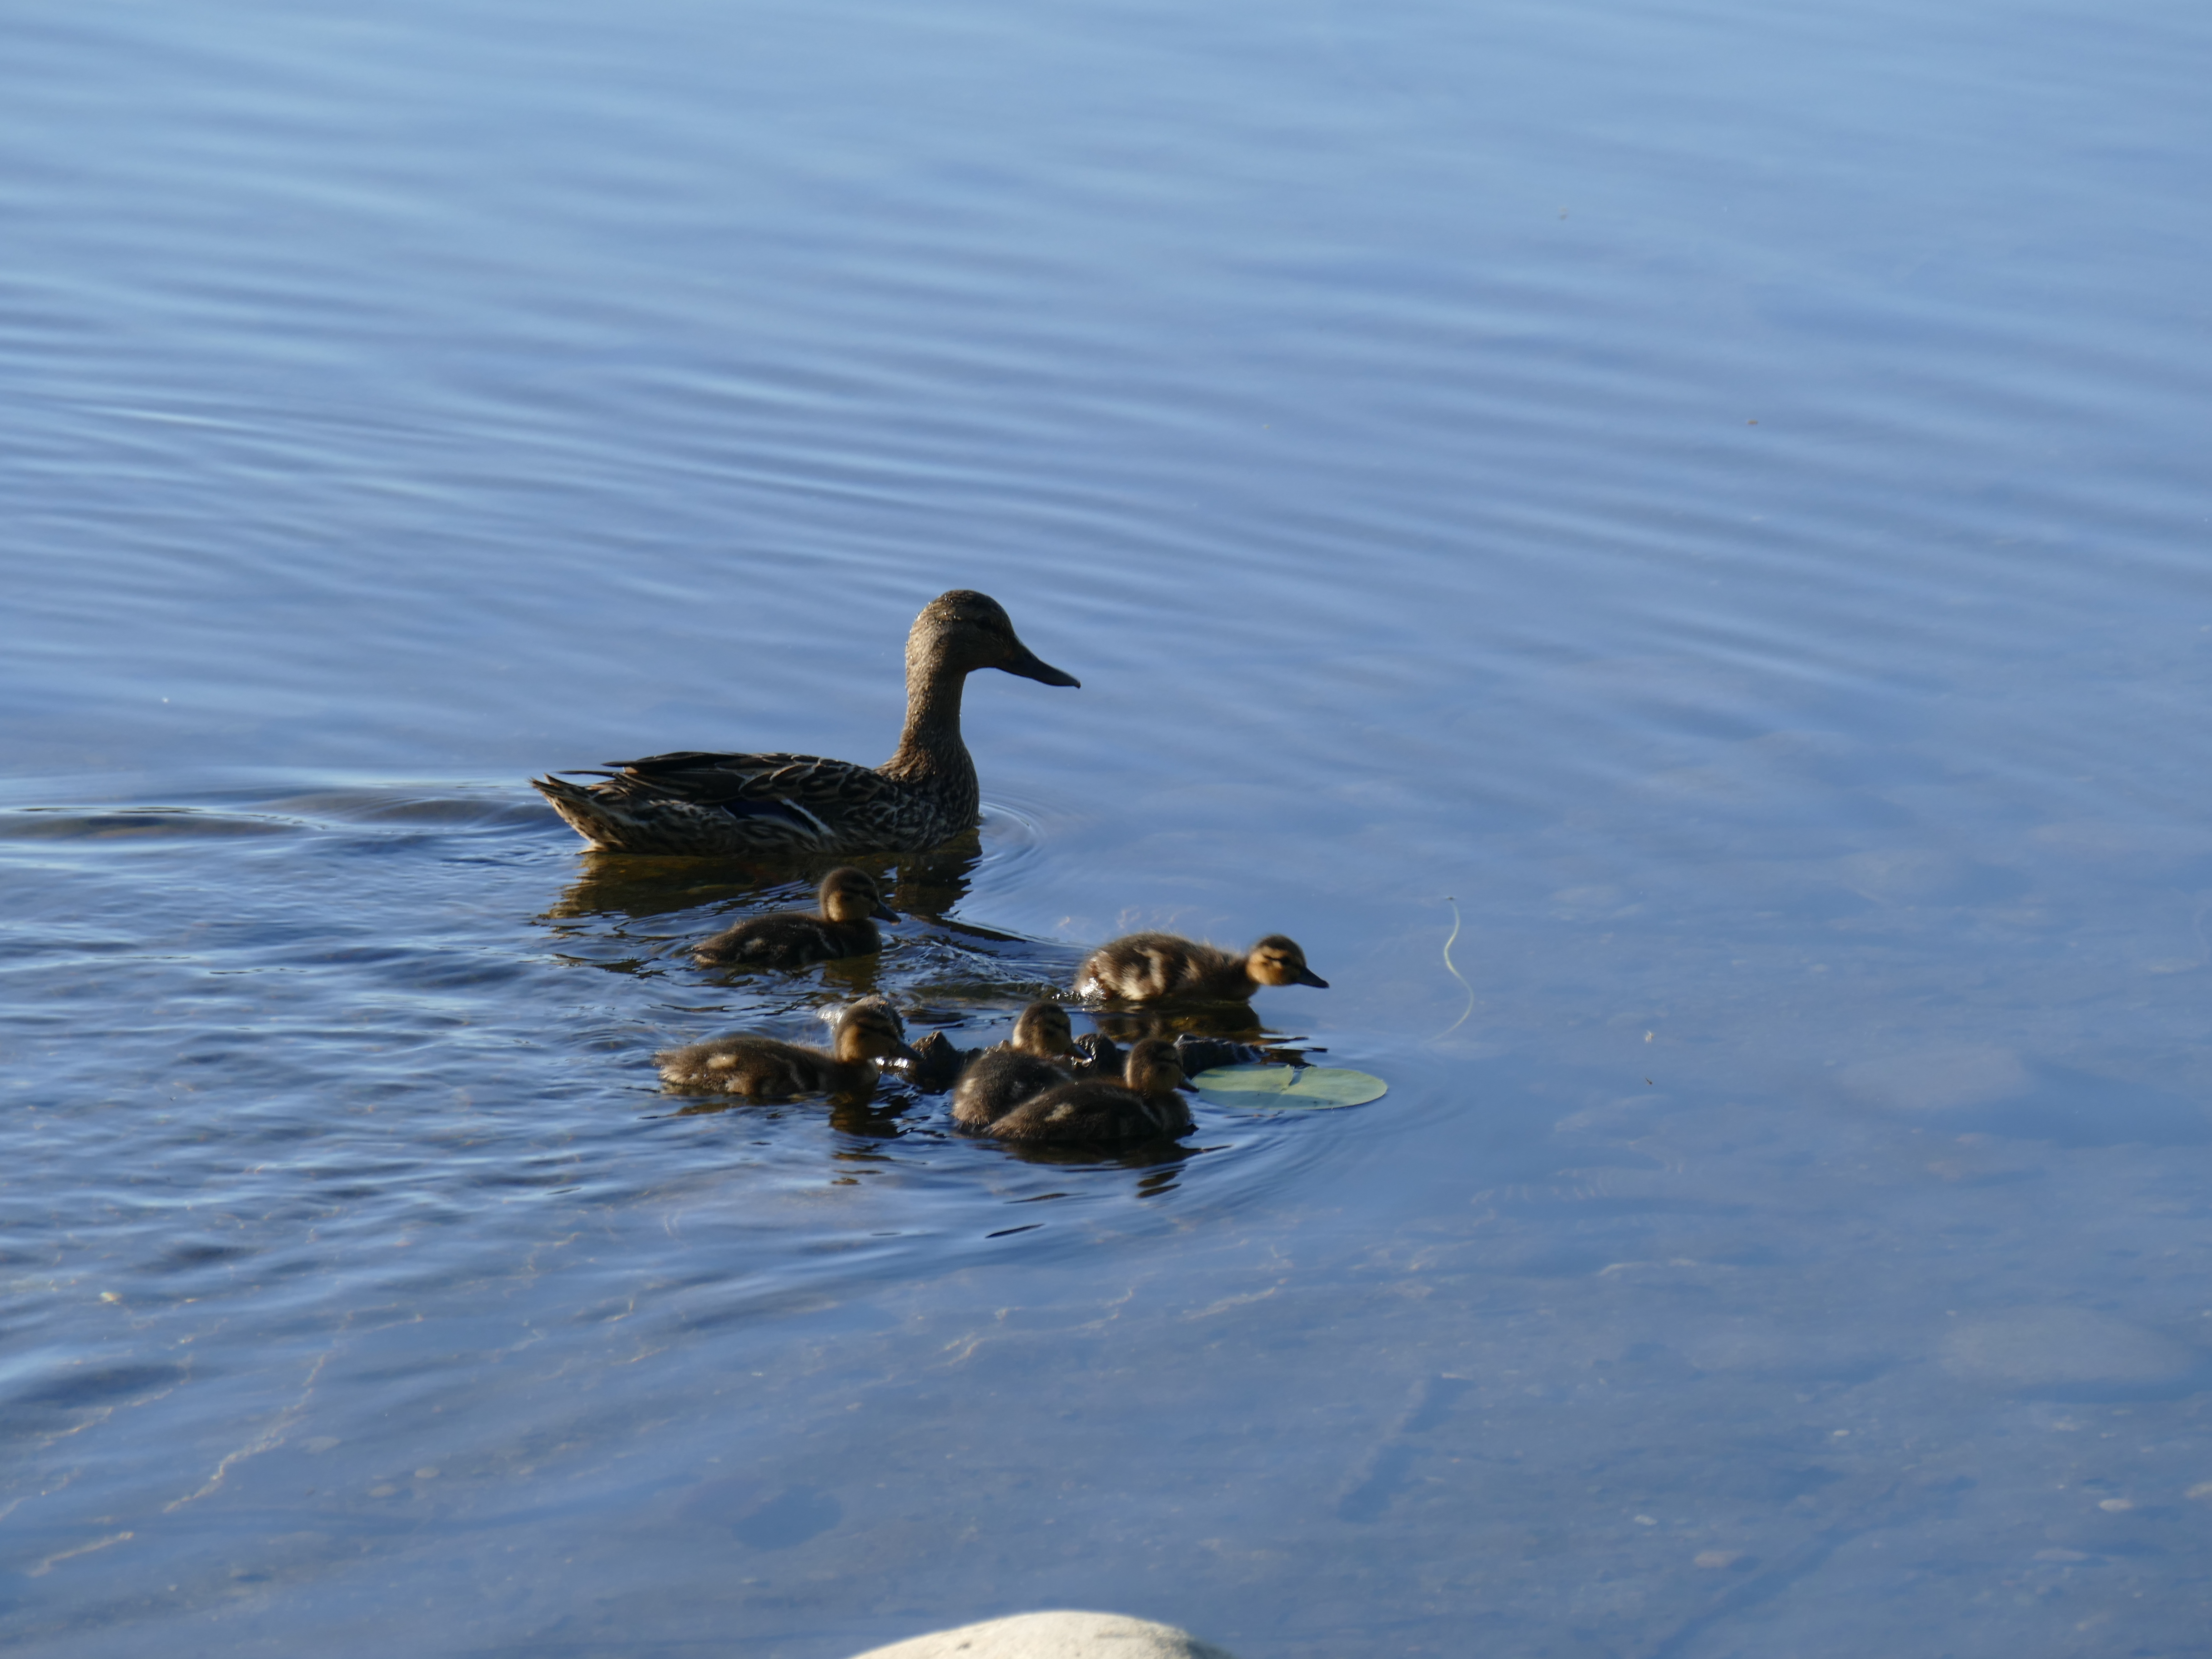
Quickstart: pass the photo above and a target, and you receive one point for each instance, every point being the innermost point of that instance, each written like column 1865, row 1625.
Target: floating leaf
column 1287, row 1088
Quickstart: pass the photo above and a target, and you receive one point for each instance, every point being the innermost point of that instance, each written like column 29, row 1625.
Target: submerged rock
column 1054, row 1636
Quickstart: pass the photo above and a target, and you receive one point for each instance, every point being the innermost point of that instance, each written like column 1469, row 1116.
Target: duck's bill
column 1030, row 666
column 903, row 1052
column 1307, row 977
column 884, row 912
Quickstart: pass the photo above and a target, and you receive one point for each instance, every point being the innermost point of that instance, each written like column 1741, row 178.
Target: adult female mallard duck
column 763, row 1068
column 694, row 802
column 1143, row 1106
column 1041, row 1055
column 792, row 939
column 1163, row 967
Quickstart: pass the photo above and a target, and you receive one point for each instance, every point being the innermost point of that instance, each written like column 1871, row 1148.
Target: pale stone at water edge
column 1054, row 1636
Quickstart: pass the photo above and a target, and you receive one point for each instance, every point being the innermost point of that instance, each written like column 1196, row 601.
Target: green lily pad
column 1287, row 1088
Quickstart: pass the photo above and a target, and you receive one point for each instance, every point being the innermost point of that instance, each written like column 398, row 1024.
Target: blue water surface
column 1703, row 507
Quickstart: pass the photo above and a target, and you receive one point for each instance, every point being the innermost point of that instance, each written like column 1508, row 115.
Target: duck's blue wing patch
column 780, row 811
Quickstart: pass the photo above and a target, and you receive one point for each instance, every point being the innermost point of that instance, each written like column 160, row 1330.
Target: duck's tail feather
column 578, row 808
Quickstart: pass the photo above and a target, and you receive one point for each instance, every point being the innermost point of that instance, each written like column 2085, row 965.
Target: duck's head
column 1154, row 1068
column 848, row 894
column 1277, row 961
column 1043, row 1031
column 965, row 631
column 871, row 1030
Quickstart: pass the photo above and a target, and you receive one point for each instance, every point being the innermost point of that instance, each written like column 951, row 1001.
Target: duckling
column 1042, row 1029
column 792, row 939
column 998, row 1080
column 1097, row 1054
column 762, row 1069
column 940, row 1063
column 1163, row 967
column 1143, row 1106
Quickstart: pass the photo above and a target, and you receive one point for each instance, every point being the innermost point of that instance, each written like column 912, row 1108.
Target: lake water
column 1711, row 501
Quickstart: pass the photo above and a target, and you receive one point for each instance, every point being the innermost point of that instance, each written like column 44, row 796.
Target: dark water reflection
column 1719, row 494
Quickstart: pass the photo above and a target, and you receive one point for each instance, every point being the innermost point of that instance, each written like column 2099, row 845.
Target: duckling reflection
column 880, row 1117
column 765, row 1068
column 617, row 884
column 1163, row 1158
column 1143, row 1106
column 1164, row 968
column 1232, row 1020
column 845, row 926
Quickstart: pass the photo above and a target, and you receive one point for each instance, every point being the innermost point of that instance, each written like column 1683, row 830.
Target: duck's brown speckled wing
column 699, row 802
column 701, row 763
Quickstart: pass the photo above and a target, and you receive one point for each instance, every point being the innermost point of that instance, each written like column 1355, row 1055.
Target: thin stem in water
column 1456, row 975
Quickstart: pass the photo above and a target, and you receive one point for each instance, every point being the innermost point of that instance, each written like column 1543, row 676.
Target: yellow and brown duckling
column 792, row 939
column 1143, row 1106
column 765, row 1068
column 694, row 802
column 1164, row 968
column 1042, row 1054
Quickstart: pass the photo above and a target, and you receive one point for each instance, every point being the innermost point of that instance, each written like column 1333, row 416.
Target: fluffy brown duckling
column 792, row 939
column 995, row 1080
column 1164, row 968
column 1143, row 1106
column 763, row 1068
